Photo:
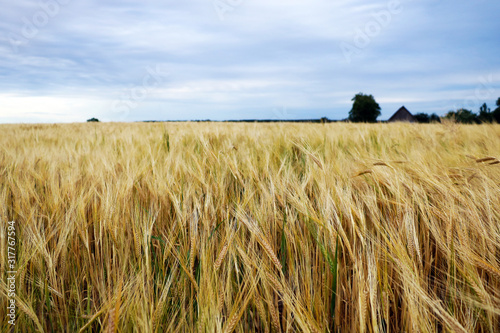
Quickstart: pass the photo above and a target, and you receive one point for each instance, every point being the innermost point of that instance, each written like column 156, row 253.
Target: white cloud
column 263, row 55
column 18, row 108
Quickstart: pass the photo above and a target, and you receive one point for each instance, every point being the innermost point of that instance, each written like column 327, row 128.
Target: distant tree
column 425, row 118
column 422, row 117
column 450, row 114
column 93, row 120
column 496, row 114
column 463, row 116
column 364, row 109
column 485, row 114
column 466, row 116
column 434, row 118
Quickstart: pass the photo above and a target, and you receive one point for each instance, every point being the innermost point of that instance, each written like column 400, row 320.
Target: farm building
column 402, row 115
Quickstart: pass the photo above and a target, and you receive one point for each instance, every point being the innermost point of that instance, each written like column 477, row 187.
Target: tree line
column 485, row 115
column 366, row 109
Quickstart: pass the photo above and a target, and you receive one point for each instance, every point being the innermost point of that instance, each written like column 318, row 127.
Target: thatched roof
column 403, row 115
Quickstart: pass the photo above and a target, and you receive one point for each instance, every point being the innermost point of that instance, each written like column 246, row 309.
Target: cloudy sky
column 69, row 60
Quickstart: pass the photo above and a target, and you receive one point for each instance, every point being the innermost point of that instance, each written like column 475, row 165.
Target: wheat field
column 220, row 227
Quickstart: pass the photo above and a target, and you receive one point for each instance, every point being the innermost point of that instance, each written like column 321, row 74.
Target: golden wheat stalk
column 221, row 256
column 277, row 285
column 274, row 316
column 414, row 245
column 485, row 159
column 193, row 231
column 261, row 311
column 220, row 300
column 363, row 173
column 269, row 250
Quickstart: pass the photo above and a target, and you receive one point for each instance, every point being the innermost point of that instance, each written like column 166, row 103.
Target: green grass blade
column 334, row 284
